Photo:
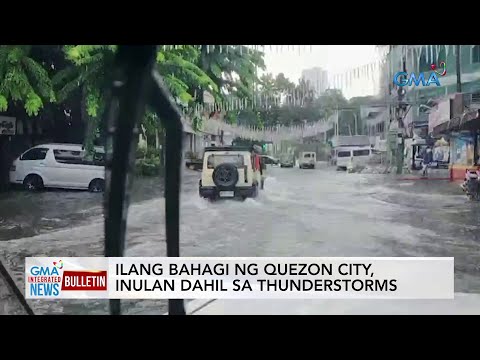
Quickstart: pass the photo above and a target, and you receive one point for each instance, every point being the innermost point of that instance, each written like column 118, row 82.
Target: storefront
column 448, row 119
column 441, row 152
column 462, row 150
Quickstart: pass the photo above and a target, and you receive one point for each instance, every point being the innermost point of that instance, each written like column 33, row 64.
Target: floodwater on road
column 25, row 214
column 317, row 212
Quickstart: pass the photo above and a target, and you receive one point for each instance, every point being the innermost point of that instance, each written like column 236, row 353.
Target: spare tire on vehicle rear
column 225, row 175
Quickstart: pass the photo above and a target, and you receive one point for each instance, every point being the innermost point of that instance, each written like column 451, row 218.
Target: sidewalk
column 433, row 174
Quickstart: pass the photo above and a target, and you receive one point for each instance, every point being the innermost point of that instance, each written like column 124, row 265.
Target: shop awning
column 469, row 120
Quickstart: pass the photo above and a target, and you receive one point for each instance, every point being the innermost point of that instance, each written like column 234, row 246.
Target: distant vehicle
column 471, row 184
column 231, row 172
column 352, row 140
column 287, row 162
column 307, row 160
column 339, row 143
column 270, row 160
column 59, row 166
column 353, row 156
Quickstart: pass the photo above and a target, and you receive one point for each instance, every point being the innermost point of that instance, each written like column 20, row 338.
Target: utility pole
column 355, row 121
column 399, row 114
column 335, row 133
column 458, row 50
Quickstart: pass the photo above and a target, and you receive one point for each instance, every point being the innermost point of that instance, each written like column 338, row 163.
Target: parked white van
column 355, row 156
column 59, row 166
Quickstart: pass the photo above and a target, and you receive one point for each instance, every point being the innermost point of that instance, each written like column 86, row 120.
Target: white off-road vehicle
column 307, row 160
column 231, row 172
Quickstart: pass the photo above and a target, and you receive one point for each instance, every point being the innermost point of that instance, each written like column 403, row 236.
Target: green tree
column 283, row 84
column 87, row 73
column 23, row 80
column 268, row 92
column 185, row 79
column 226, row 72
column 233, row 68
column 329, row 101
column 90, row 65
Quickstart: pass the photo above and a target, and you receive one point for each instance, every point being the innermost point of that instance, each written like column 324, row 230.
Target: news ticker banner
column 239, row 278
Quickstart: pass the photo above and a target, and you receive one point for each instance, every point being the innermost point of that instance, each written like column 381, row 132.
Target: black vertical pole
column 458, row 50
column 168, row 112
column 475, row 146
column 130, row 81
column 400, row 115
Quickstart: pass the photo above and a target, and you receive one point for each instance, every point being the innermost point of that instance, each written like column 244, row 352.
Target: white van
column 308, row 160
column 354, row 156
column 60, row 166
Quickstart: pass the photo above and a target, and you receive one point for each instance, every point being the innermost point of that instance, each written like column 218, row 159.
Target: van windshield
column 343, row 154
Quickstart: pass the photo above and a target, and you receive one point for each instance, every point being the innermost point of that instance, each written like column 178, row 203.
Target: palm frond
column 33, row 104
column 39, row 76
column 64, row 92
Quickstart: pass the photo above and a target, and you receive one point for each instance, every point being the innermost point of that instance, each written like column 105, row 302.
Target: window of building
column 475, row 54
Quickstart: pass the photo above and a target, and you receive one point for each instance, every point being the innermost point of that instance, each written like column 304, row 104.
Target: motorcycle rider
column 427, row 159
column 470, row 175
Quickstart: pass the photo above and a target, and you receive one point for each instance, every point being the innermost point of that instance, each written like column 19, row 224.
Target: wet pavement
column 317, row 212
column 25, row 214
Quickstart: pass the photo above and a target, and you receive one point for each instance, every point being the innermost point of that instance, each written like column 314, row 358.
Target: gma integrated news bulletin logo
column 402, row 78
column 51, row 279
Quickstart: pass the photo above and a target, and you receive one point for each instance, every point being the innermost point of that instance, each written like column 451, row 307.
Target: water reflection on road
column 301, row 213
column 24, row 214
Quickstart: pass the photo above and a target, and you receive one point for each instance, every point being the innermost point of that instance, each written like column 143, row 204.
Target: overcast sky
column 333, row 58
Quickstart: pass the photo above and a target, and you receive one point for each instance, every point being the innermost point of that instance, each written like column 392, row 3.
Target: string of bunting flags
column 273, row 134
column 248, row 48
column 295, row 97
column 366, row 72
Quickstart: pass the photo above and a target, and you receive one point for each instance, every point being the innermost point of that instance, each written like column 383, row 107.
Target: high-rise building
column 317, row 78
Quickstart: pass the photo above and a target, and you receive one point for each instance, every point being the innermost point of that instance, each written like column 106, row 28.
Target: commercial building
column 440, row 112
column 317, row 78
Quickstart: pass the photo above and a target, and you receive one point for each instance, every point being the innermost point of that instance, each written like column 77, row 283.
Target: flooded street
column 317, row 212
column 24, row 214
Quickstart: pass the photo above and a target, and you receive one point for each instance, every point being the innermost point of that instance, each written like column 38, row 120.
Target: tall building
column 317, row 78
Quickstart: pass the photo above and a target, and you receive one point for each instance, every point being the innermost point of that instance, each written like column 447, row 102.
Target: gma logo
column 403, row 79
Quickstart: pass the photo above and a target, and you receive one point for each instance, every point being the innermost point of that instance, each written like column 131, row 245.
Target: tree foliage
column 23, row 80
column 230, row 73
column 281, row 102
column 233, row 68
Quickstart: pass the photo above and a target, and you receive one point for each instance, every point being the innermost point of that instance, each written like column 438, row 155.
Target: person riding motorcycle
column 472, row 175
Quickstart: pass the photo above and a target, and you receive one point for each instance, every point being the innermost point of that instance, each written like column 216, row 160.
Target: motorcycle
column 471, row 185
